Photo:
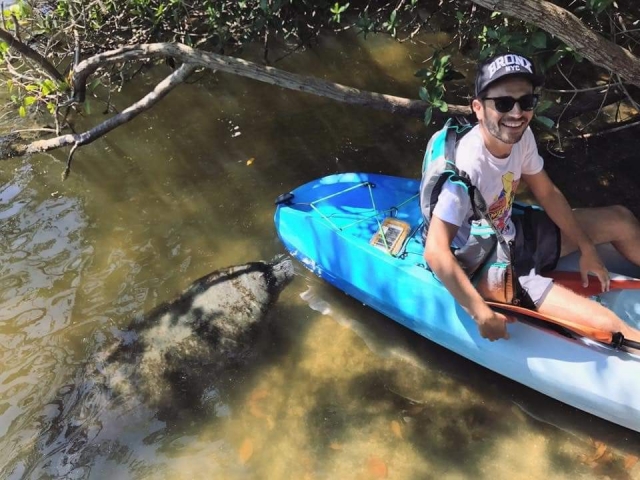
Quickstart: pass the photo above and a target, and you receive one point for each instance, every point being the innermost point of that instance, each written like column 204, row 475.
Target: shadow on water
column 455, row 414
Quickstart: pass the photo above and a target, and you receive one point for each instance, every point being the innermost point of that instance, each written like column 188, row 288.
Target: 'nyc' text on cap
column 501, row 66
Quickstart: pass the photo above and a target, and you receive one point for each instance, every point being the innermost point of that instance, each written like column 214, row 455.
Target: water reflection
column 339, row 391
column 42, row 256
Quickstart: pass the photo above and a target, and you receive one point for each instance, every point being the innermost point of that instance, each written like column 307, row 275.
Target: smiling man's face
column 504, row 129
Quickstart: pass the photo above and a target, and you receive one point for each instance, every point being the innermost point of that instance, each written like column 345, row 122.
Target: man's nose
column 516, row 110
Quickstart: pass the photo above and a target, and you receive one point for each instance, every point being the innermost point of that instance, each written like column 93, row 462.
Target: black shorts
column 536, row 250
column 537, row 242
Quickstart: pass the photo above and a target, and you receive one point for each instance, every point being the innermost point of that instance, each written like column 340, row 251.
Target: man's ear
column 477, row 107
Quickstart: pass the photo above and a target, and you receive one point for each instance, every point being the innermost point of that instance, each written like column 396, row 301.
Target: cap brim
column 536, row 80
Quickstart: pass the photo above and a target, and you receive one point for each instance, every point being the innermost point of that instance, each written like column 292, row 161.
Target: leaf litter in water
column 609, row 464
column 255, row 407
column 630, row 462
column 246, row 451
column 376, row 468
column 397, row 429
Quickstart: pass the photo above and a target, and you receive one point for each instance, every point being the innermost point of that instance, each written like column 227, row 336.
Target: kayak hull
column 328, row 226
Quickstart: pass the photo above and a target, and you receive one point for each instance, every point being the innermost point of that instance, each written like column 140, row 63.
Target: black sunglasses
column 505, row 104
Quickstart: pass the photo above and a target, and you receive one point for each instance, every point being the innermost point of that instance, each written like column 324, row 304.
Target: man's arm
column 438, row 255
column 555, row 204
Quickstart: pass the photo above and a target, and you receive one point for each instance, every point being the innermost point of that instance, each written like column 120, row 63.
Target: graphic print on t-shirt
column 500, row 209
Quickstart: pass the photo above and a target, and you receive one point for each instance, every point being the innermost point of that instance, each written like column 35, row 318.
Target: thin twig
column 32, row 130
column 160, row 91
column 67, row 170
column 554, row 153
column 582, row 90
column 565, row 107
column 629, row 97
column 604, row 99
column 16, row 27
column 29, row 52
column 605, row 132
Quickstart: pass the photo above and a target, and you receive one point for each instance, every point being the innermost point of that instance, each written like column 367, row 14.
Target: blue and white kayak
column 333, row 226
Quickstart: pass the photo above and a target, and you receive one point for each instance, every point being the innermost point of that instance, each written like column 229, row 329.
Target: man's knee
column 625, row 219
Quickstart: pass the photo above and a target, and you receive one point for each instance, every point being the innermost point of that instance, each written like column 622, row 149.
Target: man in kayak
column 498, row 153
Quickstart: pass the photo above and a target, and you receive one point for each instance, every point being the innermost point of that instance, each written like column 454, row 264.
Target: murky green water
column 337, row 391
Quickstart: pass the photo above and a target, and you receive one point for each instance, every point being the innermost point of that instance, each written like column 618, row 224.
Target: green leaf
column 48, row 86
column 546, row 121
column 444, row 107
column 94, row 84
column 22, row 111
column 424, row 94
column 554, row 59
column 428, row 113
column 539, row 39
column 28, row 101
column 544, row 105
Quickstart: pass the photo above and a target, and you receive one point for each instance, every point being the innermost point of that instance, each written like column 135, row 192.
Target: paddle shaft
column 614, row 339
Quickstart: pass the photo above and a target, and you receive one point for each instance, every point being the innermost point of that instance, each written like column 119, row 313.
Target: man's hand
column 590, row 262
column 493, row 325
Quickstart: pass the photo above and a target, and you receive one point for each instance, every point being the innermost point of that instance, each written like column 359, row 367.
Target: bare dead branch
column 567, row 27
column 79, row 139
column 244, row 68
column 30, row 53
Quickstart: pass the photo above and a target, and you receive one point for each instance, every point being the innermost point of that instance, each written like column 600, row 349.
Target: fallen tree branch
column 79, row 139
column 12, row 147
column 244, row 68
column 567, row 27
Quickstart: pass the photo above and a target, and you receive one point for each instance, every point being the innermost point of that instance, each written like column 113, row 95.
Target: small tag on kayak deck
column 391, row 235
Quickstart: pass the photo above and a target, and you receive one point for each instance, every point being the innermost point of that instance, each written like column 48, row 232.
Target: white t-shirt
column 496, row 178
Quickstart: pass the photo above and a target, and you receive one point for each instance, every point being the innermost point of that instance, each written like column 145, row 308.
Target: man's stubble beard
column 494, row 129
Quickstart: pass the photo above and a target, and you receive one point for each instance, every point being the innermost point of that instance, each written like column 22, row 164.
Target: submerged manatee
column 211, row 327
column 165, row 370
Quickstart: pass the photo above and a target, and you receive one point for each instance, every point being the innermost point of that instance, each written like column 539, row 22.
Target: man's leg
column 563, row 303
column 615, row 224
